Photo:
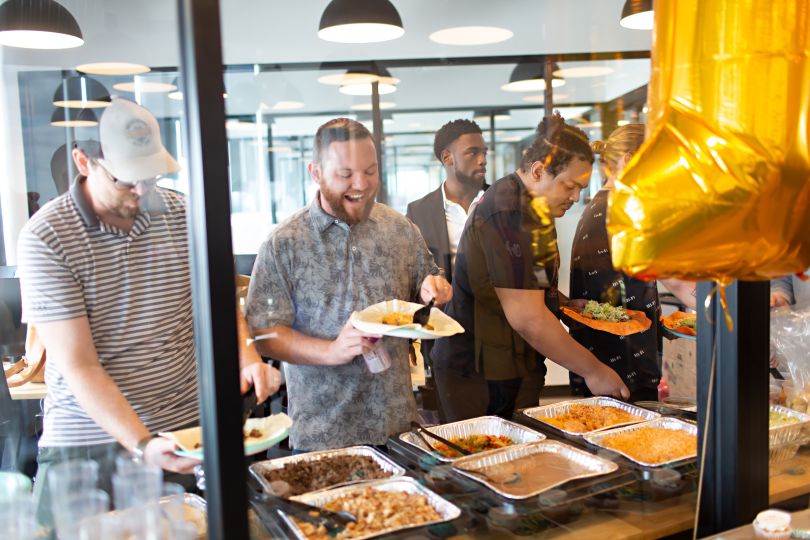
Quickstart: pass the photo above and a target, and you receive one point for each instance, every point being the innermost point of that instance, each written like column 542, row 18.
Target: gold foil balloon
column 721, row 188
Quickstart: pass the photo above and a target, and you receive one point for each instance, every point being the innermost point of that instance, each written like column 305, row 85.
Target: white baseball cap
column 130, row 143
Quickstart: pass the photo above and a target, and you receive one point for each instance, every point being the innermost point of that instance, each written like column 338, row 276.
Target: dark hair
column 338, row 130
column 556, row 144
column 450, row 132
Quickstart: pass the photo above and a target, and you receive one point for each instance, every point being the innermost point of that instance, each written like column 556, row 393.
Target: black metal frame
column 212, row 270
column 735, row 467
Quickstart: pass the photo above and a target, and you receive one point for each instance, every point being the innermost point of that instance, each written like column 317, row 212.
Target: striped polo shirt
column 135, row 290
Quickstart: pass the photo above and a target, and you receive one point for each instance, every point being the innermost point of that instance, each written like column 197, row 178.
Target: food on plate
column 253, row 434
column 683, row 323
column 247, row 434
column 603, row 311
column 653, row 445
column 376, row 511
column 584, row 418
column 312, row 475
column 398, row 318
column 614, row 320
column 474, row 444
column 777, row 419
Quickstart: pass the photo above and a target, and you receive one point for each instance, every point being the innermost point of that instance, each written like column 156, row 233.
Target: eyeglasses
column 125, row 186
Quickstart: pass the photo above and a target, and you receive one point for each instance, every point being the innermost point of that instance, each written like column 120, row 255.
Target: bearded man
column 342, row 253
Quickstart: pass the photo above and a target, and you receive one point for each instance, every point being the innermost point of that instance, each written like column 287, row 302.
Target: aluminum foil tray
column 666, row 423
column 557, row 409
column 446, row 510
column 596, row 466
column 788, row 433
column 483, row 425
column 386, row 464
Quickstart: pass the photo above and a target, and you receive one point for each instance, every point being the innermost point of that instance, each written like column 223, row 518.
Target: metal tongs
column 333, row 522
column 419, row 430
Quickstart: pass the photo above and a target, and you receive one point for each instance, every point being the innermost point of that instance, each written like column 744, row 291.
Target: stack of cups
column 77, row 505
column 150, row 508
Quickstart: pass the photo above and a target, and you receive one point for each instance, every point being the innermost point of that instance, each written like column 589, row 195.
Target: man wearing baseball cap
column 105, row 278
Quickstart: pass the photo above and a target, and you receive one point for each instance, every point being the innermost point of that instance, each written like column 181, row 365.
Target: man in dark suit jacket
column 440, row 215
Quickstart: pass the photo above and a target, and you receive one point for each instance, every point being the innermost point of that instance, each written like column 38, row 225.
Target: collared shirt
column 456, row 217
column 134, row 289
column 310, row 274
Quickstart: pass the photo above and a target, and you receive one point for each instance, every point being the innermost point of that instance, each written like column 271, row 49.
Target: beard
column 470, row 181
column 337, row 205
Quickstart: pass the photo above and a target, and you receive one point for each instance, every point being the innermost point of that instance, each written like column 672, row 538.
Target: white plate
column 369, row 320
column 275, row 429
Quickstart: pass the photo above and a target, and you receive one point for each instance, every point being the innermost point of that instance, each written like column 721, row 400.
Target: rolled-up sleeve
column 270, row 295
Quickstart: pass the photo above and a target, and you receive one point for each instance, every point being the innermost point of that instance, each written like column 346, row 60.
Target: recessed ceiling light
column 622, row 122
column 368, row 106
column 365, row 89
column 583, row 71
column 143, row 86
column 471, row 35
column 360, row 21
column 113, row 68
column 288, row 105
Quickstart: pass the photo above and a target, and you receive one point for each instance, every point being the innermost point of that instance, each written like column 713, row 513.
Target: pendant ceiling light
column 530, row 77
column 501, row 115
column 637, row 14
column 177, row 94
column 74, row 118
column 360, row 21
column 80, row 93
column 386, row 84
column 38, row 24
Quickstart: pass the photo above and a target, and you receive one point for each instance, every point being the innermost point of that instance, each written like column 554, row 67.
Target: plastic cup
column 377, row 359
column 18, row 517
column 69, row 512
column 171, row 501
column 139, row 485
column 72, row 477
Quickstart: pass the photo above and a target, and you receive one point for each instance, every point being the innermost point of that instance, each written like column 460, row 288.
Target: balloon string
column 706, row 436
column 707, row 304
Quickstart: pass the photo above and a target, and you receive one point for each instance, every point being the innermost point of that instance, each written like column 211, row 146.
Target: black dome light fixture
column 386, row 84
column 38, row 24
column 637, row 14
column 81, row 92
column 360, row 21
column 529, row 76
column 74, row 118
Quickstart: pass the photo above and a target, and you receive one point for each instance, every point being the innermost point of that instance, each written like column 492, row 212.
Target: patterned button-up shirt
column 311, row 273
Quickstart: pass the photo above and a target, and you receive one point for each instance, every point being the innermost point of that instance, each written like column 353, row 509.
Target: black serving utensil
column 249, row 403
column 422, row 315
column 419, row 429
column 334, row 522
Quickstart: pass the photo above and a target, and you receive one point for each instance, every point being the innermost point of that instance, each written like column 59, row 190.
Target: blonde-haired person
column 635, row 357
